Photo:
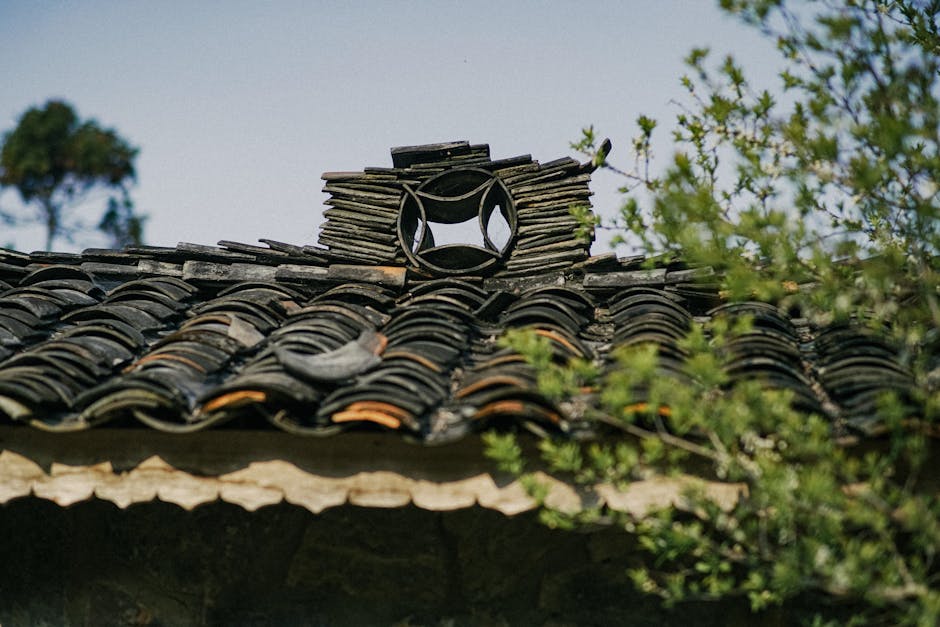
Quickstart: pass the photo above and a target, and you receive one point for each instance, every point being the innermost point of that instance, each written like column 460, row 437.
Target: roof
column 379, row 328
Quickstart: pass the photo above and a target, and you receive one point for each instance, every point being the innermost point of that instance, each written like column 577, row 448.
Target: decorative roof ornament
column 522, row 209
column 451, row 197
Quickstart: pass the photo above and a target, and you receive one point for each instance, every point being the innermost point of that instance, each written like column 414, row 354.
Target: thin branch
column 666, row 438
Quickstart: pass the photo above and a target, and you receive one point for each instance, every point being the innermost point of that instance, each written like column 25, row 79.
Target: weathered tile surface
column 358, row 333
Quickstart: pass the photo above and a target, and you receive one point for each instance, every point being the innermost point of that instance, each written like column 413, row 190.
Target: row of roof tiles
column 187, row 338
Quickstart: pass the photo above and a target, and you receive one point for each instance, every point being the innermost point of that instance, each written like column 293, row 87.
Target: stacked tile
column 770, row 352
column 547, row 232
column 427, row 336
column 696, row 287
column 856, row 369
column 500, row 385
column 47, row 384
column 439, row 157
column 360, row 221
column 649, row 317
column 228, row 262
column 161, row 387
column 12, row 267
column 362, row 218
column 319, row 347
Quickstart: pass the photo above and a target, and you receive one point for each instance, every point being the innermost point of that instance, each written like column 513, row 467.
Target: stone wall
column 156, row 564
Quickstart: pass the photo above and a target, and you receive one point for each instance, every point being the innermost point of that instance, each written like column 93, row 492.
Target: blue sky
column 238, row 107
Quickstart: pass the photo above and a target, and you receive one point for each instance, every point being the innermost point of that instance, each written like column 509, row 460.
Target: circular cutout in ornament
column 457, row 197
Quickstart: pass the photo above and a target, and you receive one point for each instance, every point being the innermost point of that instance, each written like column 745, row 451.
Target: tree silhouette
column 55, row 160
